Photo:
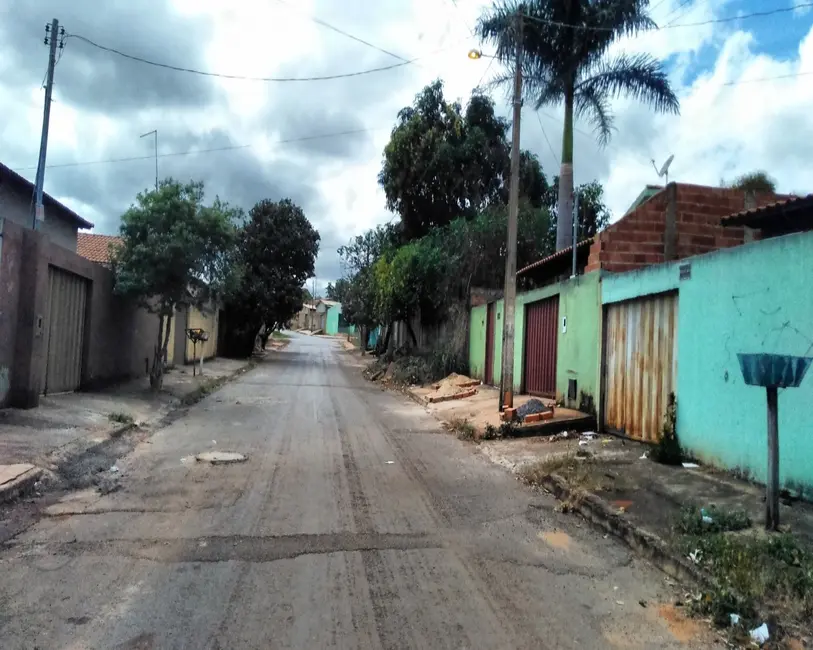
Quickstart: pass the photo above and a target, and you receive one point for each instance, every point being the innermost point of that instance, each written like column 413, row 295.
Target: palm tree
column 565, row 46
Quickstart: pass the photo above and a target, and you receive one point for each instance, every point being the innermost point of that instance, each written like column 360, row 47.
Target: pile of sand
column 454, row 384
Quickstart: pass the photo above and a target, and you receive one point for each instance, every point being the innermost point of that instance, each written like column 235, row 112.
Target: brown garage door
column 67, row 302
column 640, row 364
column 540, row 347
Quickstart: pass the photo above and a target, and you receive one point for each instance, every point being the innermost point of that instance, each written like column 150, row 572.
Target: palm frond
column 639, row 76
column 595, row 109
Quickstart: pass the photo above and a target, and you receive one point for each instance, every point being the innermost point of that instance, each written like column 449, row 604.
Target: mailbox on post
column 197, row 335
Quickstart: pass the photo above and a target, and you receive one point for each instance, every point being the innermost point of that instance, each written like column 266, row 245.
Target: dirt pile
column 453, row 386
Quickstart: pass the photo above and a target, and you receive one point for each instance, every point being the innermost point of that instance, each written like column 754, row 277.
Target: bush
column 463, row 428
column 491, row 432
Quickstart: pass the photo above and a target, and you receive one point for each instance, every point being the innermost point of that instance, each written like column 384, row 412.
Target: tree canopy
column 175, row 252
column 756, row 181
column 276, row 253
column 573, row 66
column 443, row 162
column 338, row 290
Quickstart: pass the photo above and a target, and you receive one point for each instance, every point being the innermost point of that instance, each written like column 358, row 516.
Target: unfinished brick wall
column 680, row 221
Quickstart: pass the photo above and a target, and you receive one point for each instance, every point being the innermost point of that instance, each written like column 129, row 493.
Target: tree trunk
column 386, row 345
column 165, row 346
column 412, row 334
column 564, row 216
column 157, row 370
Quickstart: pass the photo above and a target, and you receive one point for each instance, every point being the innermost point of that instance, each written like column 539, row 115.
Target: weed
column 508, row 430
column 577, row 471
column 668, row 451
column 491, row 432
column 121, row 418
column 692, row 522
column 755, row 571
column 464, row 429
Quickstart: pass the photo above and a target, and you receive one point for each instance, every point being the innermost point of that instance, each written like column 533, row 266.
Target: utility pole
column 154, row 132
column 53, row 37
column 510, row 293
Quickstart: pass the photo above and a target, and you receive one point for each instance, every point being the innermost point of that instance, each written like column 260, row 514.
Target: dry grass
column 464, row 429
column 578, row 469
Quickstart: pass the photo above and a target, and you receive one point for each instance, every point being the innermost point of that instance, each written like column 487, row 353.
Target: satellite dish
column 664, row 170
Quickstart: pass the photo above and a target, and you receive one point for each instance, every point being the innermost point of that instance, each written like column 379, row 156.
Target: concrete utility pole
column 575, row 230
column 510, row 293
column 154, row 132
column 53, row 36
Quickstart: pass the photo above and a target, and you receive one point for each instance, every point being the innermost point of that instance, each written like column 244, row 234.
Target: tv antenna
column 664, row 170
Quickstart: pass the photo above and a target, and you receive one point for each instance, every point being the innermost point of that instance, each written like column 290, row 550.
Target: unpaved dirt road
column 355, row 523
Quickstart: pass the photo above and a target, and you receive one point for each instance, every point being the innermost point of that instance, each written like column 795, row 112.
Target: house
column 16, row 205
column 329, row 319
column 305, row 318
column 96, row 248
column 678, row 328
column 558, row 328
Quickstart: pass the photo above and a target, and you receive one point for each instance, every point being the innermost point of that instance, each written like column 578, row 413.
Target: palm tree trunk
column 564, row 220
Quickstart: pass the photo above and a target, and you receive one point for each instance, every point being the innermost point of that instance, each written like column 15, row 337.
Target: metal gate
column 640, row 364
column 540, row 347
column 67, row 302
column 490, row 323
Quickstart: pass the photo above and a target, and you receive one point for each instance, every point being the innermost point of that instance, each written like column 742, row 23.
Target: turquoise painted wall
column 579, row 348
column 616, row 287
column 477, row 341
column 332, row 319
column 752, row 298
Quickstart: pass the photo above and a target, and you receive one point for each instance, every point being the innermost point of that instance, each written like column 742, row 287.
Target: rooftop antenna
column 664, row 170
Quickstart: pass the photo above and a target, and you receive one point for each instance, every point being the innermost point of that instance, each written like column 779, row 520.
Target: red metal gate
column 540, row 347
column 490, row 322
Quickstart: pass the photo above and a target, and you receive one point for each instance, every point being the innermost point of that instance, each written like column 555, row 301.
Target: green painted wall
column 579, row 347
column 332, row 319
column 477, row 342
column 752, row 298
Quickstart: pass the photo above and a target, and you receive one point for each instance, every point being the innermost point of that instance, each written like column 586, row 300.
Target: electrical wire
column 713, row 21
column 781, row 76
column 243, row 77
column 539, row 119
column 676, row 12
column 327, row 25
column 198, row 151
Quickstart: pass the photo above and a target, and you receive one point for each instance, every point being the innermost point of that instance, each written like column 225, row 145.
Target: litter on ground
column 690, row 465
column 760, row 634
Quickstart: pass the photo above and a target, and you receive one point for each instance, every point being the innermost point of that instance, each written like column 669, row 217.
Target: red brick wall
column 637, row 239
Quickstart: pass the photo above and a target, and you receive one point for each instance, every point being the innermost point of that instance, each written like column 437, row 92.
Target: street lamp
column 475, row 54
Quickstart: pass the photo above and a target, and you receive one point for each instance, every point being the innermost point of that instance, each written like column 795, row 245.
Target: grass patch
column 759, row 577
column 121, row 418
column 464, row 429
column 702, row 521
column 579, row 470
column 280, row 336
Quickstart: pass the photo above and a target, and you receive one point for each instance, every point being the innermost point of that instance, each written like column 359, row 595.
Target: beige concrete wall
column 207, row 320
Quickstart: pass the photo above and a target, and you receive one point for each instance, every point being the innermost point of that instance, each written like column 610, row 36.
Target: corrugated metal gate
column 490, row 323
column 640, row 364
column 67, row 302
column 540, row 347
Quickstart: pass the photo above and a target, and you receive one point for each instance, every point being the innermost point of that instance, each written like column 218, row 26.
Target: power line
column 197, row 151
column 781, row 76
column 676, row 12
column 713, row 21
column 327, row 25
column 242, row 77
column 539, row 119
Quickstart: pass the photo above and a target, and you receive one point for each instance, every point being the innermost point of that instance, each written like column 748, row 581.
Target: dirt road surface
column 354, row 523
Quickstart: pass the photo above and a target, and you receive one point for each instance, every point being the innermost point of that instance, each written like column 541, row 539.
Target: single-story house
column 329, row 318
column 17, row 205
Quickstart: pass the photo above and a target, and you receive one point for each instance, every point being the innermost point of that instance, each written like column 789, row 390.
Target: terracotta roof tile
column 96, row 248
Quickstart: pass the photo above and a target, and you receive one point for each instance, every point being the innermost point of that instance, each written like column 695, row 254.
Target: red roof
column 96, row 248
column 761, row 216
column 557, row 255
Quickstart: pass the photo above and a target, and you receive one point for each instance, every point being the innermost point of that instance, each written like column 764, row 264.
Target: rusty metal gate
column 490, row 323
column 540, row 347
column 640, row 364
column 67, row 302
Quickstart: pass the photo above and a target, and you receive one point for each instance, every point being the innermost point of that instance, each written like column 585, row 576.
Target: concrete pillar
column 30, row 350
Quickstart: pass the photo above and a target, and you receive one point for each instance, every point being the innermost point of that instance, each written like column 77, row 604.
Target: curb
column 449, row 398
column 645, row 543
column 20, row 486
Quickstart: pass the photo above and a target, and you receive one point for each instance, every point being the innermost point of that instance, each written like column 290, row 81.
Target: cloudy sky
column 746, row 90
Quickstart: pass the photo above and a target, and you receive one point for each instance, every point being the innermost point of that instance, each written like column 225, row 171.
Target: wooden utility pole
column 52, row 38
column 510, row 293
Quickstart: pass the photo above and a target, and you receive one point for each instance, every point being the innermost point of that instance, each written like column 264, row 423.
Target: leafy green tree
column 566, row 60
column 594, row 215
column 277, row 250
column 443, row 162
column 175, row 252
column 337, row 291
column 756, row 181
